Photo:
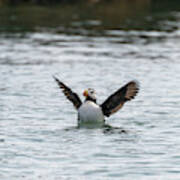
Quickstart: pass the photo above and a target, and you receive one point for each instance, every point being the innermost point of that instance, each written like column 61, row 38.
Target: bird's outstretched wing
column 73, row 97
column 114, row 102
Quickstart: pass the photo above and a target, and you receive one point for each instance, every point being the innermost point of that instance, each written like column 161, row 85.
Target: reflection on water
column 102, row 46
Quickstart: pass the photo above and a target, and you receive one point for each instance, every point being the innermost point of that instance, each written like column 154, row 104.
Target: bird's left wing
column 113, row 103
column 73, row 97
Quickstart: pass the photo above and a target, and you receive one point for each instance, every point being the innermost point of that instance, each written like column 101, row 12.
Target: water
column 39, row 138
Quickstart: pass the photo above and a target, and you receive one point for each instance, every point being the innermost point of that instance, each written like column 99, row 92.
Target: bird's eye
column 91, row 91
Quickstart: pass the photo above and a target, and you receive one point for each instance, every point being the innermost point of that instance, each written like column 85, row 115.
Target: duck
column 89, row 111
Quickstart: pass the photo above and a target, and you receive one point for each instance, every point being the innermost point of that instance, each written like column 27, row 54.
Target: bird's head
column 90, row 94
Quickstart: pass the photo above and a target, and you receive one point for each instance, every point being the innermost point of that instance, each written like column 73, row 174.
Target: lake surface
column 39, row 138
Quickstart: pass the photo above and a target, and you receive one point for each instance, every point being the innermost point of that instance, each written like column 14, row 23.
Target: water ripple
column 39, row 138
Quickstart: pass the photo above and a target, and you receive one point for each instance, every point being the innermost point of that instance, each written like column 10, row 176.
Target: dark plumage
column 115, row 102
column 73, row 97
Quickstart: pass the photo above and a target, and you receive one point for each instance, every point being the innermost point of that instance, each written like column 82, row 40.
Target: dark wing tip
column 117, row 100
column 132, row 90
column 61, row 85
column 57, row 80
column 73, row 97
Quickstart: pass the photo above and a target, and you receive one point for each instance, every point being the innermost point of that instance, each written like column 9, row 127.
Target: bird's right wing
column 115, row 102
column 73, row 97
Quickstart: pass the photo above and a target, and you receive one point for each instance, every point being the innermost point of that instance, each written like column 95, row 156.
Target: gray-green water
column 38, row 134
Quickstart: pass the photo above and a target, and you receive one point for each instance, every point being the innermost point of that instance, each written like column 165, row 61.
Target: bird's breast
column 89, row 112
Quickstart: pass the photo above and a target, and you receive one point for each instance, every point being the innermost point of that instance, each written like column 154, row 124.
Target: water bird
column 89, row 112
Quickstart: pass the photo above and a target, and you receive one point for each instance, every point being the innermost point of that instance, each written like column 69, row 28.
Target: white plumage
column 90, row 112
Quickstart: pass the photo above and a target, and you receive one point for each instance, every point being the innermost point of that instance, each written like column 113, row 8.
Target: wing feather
column 116, row 101
column 73, row 97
